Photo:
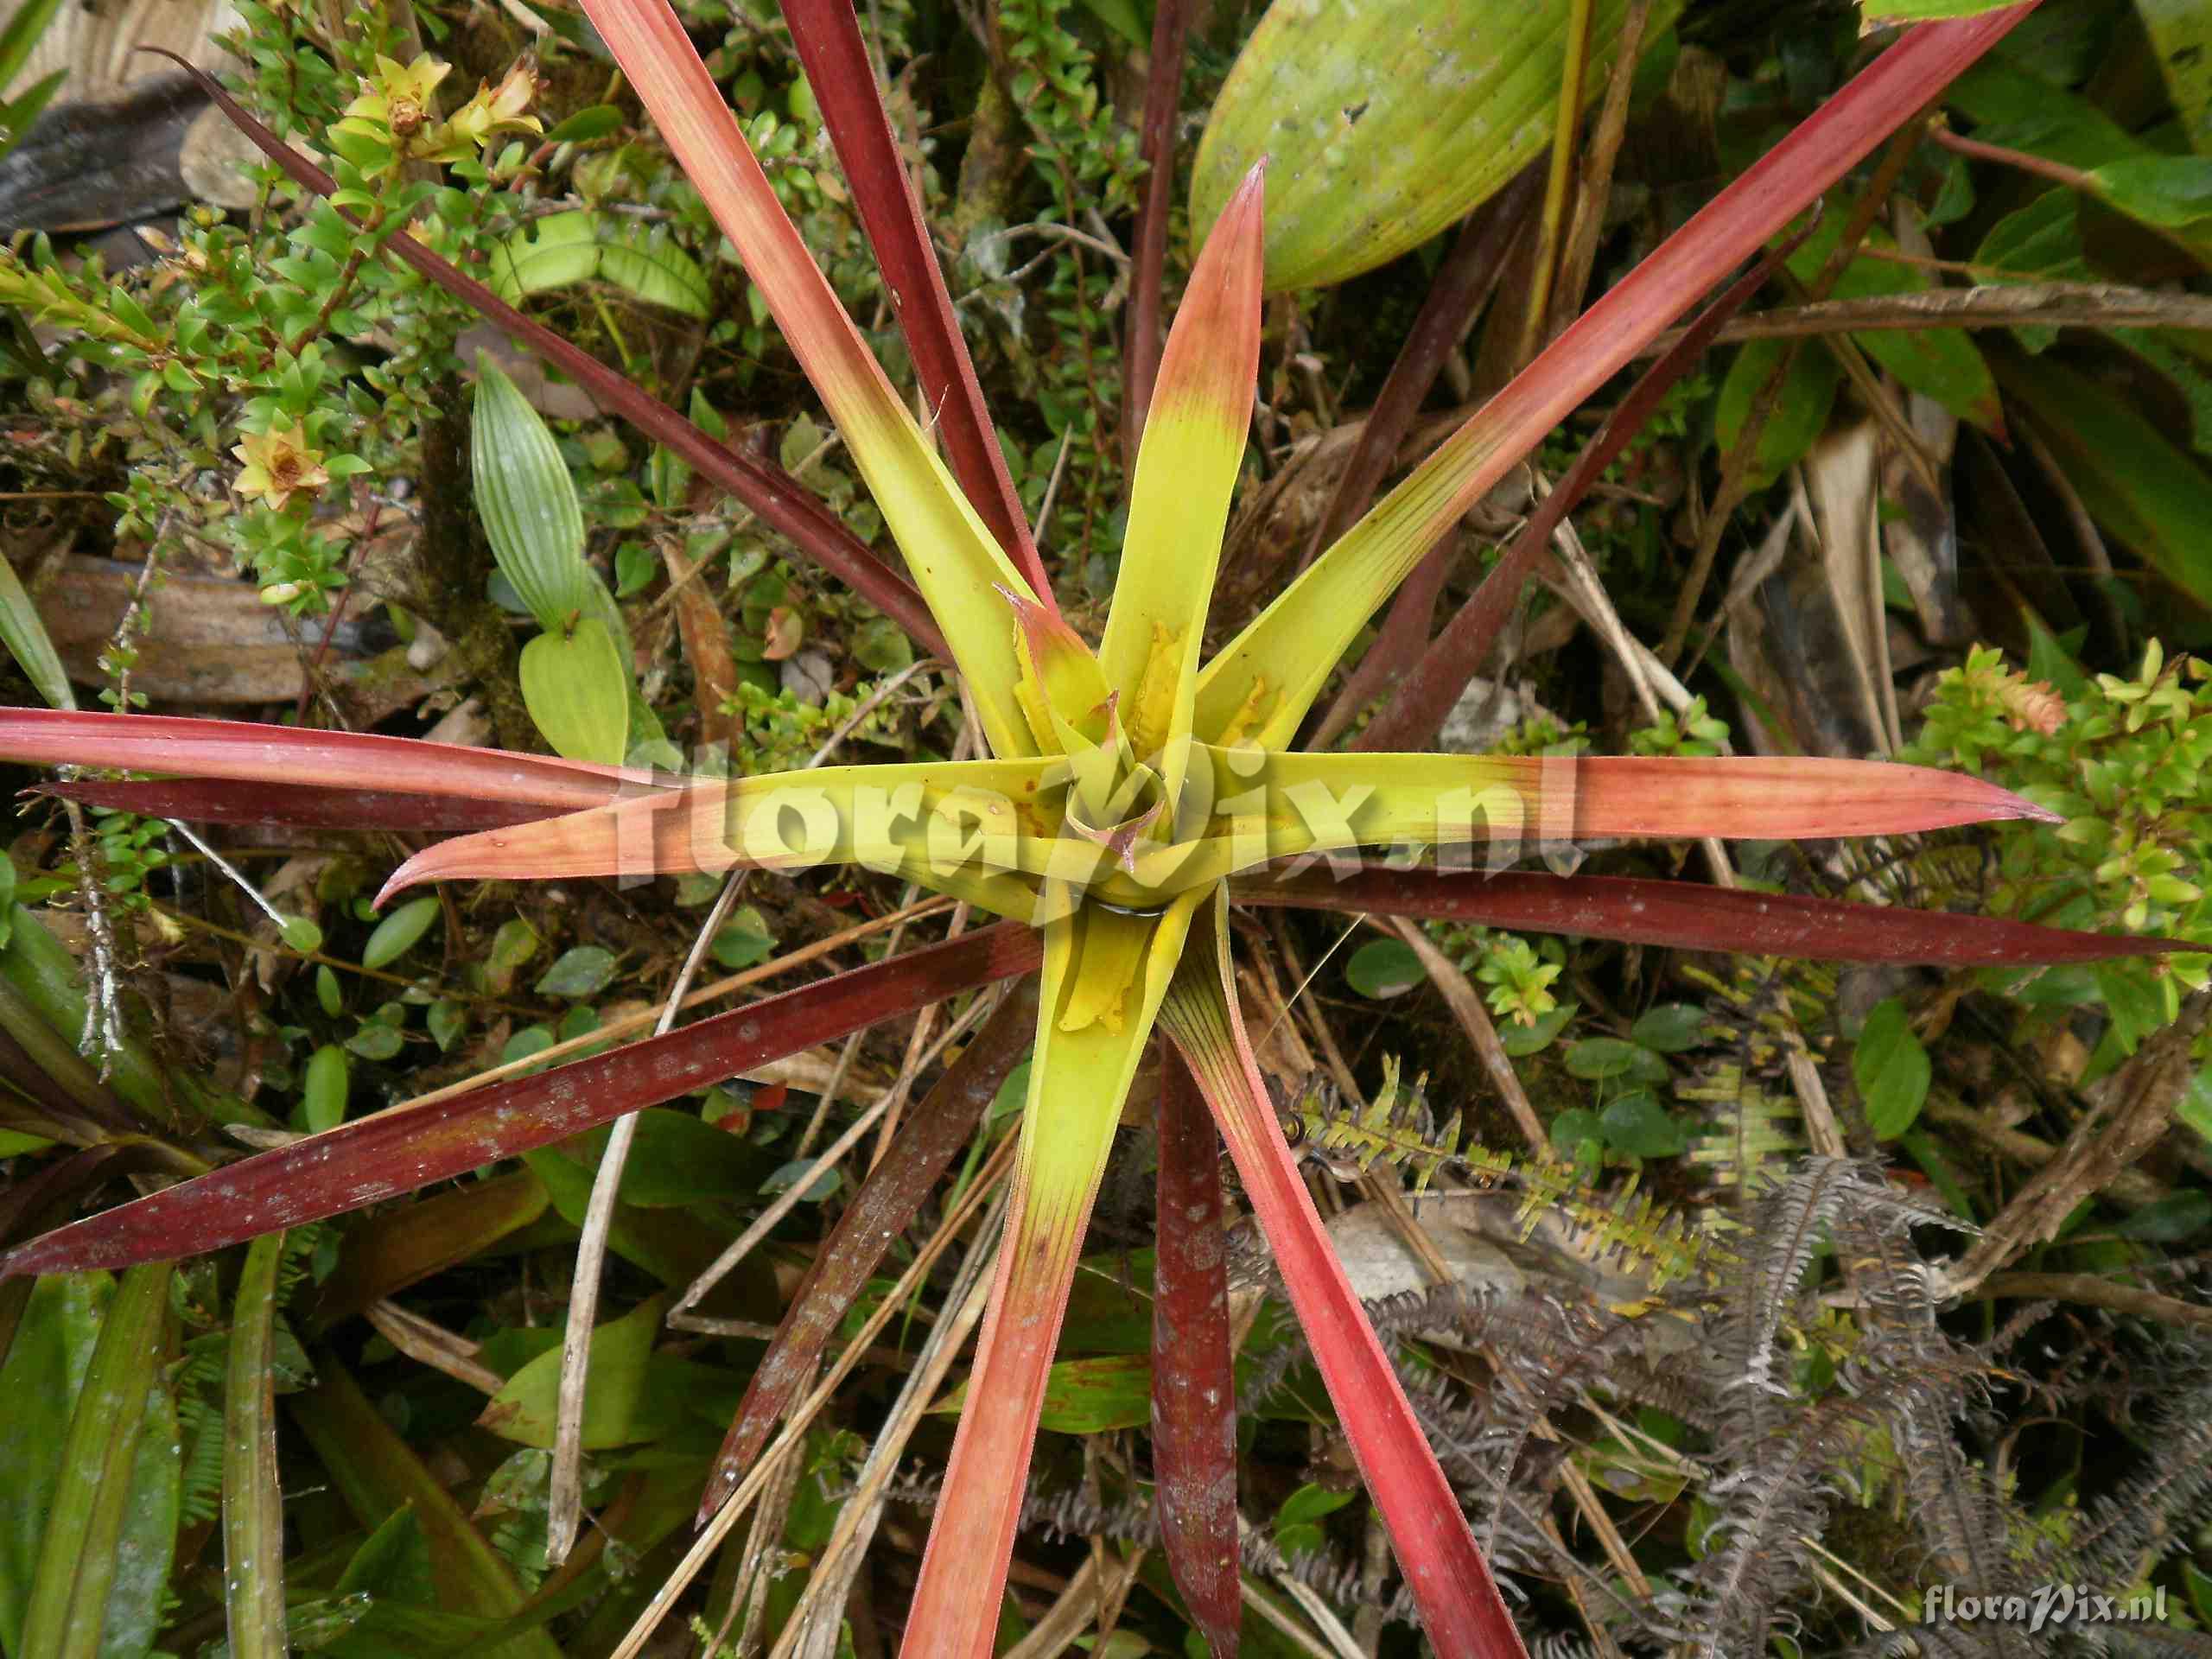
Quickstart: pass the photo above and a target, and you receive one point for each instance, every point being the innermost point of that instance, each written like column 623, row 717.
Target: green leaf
column 1384, row 968
column 584, row 972
column 2169, row 1219
column 253, row 1503
column 22, row 35
column 2181, row 35
column 616, row 1410
column 642, row 260
column 1091, row 1395
column 1941, row 363
column 1639, row 1125
column 1900, row 11
column 1520, row 1041
column 23, row 632
column 2195, row 1108
column 1575, row 1126
column 2170, row 192
column 527, row 500
column 1670, row 1027
column 1801, row 410
column 547, row 253
column 2134, row 481
column 678, row 1159
column 743, row 940
column 596, row 121
column 1387, row 122
column 396, row 933
column 328, row 1079
column 1891, row 1069
column 563, row 249
column 44, row 1372
column 1599, row 1060
column 578, row 690
column 104, row 1557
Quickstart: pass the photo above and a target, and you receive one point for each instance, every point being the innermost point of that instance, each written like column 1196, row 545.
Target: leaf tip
column 407, row 875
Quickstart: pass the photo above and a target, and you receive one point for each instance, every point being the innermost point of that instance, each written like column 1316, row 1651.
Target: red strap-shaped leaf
column 398, row 1150
column 1692, row 917
column 1193, row 1380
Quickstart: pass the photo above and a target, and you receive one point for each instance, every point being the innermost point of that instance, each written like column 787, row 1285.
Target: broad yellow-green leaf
column 2181, row 34
column 1389, row 119
column 527, row 500
column 956, row 562
column 578, row 692
column 563, row 249
column 1186, row 472
column 1104, row 975
column 958, row 827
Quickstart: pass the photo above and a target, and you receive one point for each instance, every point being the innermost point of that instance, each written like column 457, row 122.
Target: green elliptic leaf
column 1801, row 411
column 525, row 1410
column 1670, row 1028
column 325, row 1091
column 527, row 500
column 1639, row 1125
column 576, row 689
column 1387, row 121
column 1891, row 1069
column 583, row 971
column 396, row 933
column 596, row 121
column 1384, row 968
column 1601, row 1059
column 564, row 249
column 743, row 940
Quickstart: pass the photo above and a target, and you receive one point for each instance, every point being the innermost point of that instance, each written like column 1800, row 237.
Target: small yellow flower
column 498, row 108
column 278, row 463
column 399, row 99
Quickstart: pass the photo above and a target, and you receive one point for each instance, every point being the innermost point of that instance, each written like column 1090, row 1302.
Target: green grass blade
column 253, row 1501
column 89, row 1578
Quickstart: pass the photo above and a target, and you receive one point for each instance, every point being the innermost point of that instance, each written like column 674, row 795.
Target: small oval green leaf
column 575, row 688
column 582, row 972
column 1384, row 968
column 329, row 1081
column 1891, row 1069
column 396, row 933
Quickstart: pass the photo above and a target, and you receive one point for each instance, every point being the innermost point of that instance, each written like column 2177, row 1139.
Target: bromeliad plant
column 1132, row 792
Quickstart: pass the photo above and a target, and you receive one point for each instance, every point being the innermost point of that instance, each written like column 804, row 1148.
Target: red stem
column 776, row 497
column 828, row 36
column 1163, row 92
